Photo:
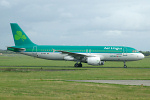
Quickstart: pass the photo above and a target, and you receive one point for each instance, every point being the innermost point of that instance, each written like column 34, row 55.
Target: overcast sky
column 78, row 22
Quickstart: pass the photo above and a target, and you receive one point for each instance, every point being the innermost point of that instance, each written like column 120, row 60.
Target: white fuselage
column 103, row 56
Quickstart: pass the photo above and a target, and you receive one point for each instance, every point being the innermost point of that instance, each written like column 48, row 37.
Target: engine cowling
column 95, row 61
column 69, row 58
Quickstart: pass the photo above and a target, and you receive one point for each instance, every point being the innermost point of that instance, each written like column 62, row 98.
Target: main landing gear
column 125, row 66
column 78, row 65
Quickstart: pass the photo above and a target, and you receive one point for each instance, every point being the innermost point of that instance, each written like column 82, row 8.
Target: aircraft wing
column 75, row 55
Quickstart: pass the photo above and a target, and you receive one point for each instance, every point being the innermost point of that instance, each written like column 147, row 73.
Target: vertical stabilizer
column 20, row 38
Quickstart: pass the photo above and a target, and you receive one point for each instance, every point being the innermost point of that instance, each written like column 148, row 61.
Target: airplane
column 92, row 55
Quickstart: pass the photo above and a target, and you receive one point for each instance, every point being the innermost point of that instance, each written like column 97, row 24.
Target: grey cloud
column 5, row 3
column 84, row 22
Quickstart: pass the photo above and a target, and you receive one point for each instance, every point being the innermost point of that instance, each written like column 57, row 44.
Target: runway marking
column 124, row 82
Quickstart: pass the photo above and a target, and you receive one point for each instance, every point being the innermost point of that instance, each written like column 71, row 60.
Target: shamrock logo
column 20, row 36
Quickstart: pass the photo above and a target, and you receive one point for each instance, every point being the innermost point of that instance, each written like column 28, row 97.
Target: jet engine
column 94, row 61
column 69, row 58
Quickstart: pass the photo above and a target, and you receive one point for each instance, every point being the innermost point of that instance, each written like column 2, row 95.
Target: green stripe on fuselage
column 79, row 49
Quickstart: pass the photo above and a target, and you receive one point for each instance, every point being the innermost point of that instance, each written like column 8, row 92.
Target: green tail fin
column 20, row 38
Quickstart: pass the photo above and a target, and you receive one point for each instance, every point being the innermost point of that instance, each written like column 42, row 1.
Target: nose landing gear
column 125, row 66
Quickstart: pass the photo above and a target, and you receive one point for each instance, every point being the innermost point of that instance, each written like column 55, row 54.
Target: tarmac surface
column 123, row 82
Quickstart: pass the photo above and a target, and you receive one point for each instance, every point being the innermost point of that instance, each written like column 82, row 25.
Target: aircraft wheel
column 76, row 65
column 80, row 65
column 125, row 66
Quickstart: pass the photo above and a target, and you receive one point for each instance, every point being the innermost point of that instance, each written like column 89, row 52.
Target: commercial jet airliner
column 92, row 55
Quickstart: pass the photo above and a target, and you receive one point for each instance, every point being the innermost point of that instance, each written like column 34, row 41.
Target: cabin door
column 34, row 51
column 124, row 51
column 88, row 51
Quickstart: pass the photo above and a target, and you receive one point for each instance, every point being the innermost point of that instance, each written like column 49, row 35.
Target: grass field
column 29, row 78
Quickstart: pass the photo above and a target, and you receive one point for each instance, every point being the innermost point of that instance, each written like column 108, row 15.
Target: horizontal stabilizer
column 16, row 49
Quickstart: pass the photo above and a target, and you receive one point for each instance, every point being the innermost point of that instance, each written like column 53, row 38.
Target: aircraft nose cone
column 141, row 56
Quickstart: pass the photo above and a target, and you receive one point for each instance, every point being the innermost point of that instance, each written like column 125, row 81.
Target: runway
column 123, row 82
